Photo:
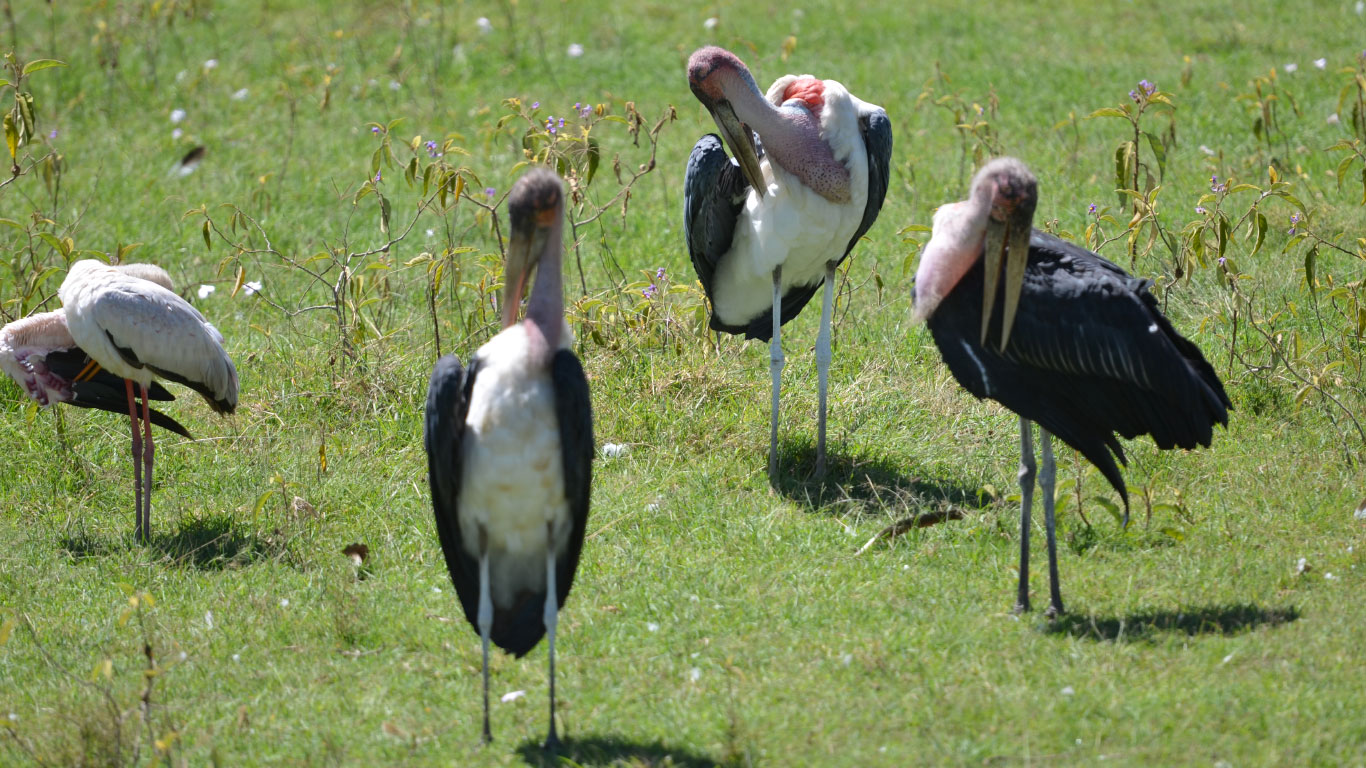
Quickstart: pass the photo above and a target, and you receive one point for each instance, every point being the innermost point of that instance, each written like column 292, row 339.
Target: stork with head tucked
column 1067, row 340
column 767, row 227
column 122, row 323
column 510, row 449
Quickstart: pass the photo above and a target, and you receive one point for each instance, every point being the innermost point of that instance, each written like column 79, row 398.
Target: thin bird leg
column 1047, row 473
column 551, row 618
column 485, row 627
column 1026, row 496
column 148, row 448
column 140, row 531
column 823, row 362
column 775, row 367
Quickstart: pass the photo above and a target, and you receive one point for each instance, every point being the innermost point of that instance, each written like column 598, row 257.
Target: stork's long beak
column 524, row 249
column 1007, row 240
column 741, row 141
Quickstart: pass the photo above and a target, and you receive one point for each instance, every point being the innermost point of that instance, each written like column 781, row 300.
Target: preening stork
column 510, row 449
column 39, row 354
column 121, row 323
column 1079, row 346
column 766, row 228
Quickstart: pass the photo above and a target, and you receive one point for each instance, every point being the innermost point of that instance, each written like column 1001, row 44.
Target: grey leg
column 138, row 528
column 551, row 618
column 148, row 449
column 485, row 627
column 775, row 367
column 823, row 362
column 1047, row 473
column 1026, row 496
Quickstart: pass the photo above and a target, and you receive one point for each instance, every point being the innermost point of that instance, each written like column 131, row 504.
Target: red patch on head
column 809, row 90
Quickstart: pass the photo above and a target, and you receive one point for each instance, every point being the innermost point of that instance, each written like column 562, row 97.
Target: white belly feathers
column 513, row 475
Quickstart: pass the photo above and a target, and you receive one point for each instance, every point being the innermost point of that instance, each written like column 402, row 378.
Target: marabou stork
column 1090, row 354
column 765, row 228
column 120, row 323
column 510, row 449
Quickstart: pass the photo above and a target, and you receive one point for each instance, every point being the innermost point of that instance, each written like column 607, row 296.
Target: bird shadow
column 1146, row 625
column 214, row 542
column 613, row 750
column 864, row 483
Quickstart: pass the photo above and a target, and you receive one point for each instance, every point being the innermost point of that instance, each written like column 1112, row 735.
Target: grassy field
column 714, row 621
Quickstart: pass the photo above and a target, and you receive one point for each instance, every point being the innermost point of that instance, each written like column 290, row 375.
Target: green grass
column 1190, row 638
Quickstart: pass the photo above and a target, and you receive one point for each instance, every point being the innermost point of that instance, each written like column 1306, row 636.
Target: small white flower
column 184, row 655
column 1333, row 119
column 512, row 696
column 13, row 718
column 1068, row 691
column 436, row 590
column 694, row 674
column 1206, row 150
column 1361, row 511
column 431, row 232
column 237, row 657
column 1329, row 576
column 176, row 134
column 653, row 627
column 1361, row 7
column 575, row 50
column 847, row 659
column 208, row 618
column 1321, row 63
column 711, row 23
column 179, row 76
column 485, row 26
column 177, row 115
column 205, row 291
column 240, row 94
column 252, row 286
column 1291, row 67
column 211, row 64
column 651, row 507
column 613, row 450
column 696, row 599
column 1302, row 566
column 1227, row 659
column 284, row 602
column 394, row 85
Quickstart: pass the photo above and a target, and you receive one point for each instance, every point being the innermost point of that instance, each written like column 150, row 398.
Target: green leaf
column 384, row 214
column 40, row 64
column 208, row 243
column 1108, row 112
column 1159, row 152
column 11, row 136
column 1261, row 233
column 1343, row 167
column 594, row 156
column 1310, row 262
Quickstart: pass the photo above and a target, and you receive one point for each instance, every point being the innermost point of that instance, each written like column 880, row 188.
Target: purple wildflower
column 1294, row 222
column 659, row 274
column 1134, row 96
column 377, row 176
column 562, row 122
column 1221, row 260
column 489, row 192
column 650, row 291
column 52, row 135
column 584, row 111
column 1148, row 88
column 1200, row 209
column 535, row 105
column 374, row 129
column 550, row 124
column 1092, row 209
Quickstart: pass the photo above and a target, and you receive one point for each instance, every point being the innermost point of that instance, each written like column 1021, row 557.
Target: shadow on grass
column 611, row 750
column 207, row 543
column 1210, row 620
column 213, row 543
column 866, row 482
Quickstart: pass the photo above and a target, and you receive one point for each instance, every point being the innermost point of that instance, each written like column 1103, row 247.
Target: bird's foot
column 551, row 745
column 1053, row 612
column 1021, row 607
column 487, row 738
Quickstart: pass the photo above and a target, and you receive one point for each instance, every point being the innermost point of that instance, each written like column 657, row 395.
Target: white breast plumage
column 513, row 470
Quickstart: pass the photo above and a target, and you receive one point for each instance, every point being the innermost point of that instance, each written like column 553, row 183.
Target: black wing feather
column 103, row 390
column 1091, row 355
column 448, row 403
column 714, row 192
column 574, row 412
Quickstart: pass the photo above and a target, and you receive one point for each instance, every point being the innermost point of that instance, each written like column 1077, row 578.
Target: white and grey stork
column 510, row 449
column 766, row 228
column 1079, row 346
column 39, row 354
column 120, row 323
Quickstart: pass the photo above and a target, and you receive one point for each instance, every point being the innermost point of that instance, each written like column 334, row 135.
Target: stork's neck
column 545, row 307
column 955, row 245
column 792, row 139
